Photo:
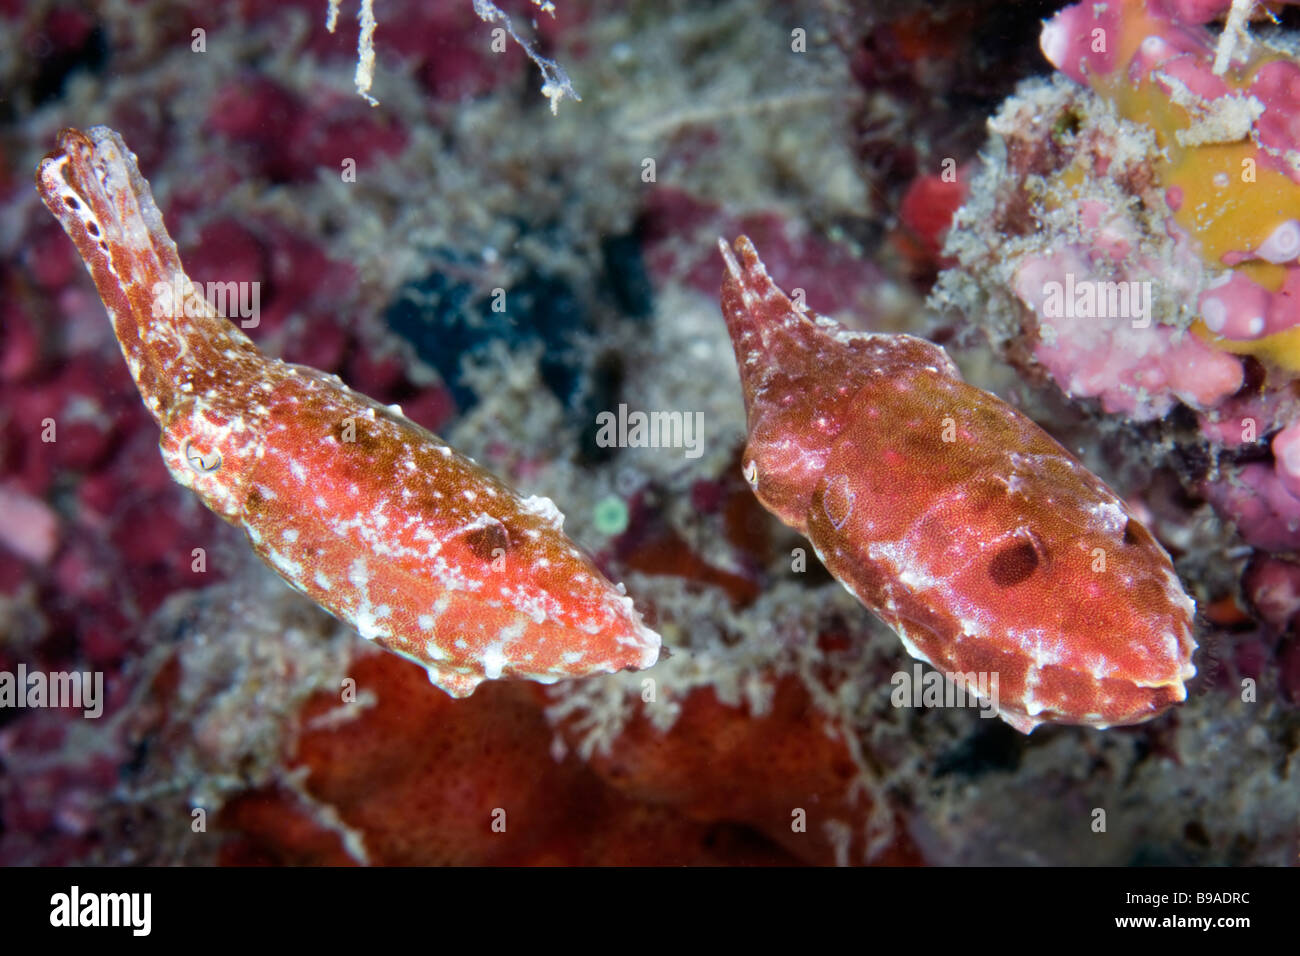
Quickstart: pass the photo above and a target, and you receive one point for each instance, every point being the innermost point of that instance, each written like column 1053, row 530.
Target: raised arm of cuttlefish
column 365, row 512
column 982, row 542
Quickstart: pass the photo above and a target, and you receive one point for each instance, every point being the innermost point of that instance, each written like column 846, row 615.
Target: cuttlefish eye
column 200, row 462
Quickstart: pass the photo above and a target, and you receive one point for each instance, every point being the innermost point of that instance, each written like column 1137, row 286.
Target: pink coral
column 1286, row 452
column 1134, row 366
column 1273, row 586
column 30, row 528
column 1266, row 514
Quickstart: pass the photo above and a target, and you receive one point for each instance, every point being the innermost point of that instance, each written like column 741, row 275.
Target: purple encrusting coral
column 823, row 131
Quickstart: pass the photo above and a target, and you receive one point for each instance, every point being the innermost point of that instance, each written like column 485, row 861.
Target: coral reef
column 1131, row 232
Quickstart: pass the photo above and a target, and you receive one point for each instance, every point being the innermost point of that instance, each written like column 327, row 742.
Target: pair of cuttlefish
column 980, row 540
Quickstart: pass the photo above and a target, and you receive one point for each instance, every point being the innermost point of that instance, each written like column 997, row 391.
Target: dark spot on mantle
column 1014, row 563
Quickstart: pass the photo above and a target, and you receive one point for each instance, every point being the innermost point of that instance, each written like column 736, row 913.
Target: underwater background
column 921, row 168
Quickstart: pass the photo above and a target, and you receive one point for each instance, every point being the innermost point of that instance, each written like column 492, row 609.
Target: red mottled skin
column 963, row 525
column 371, row 516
